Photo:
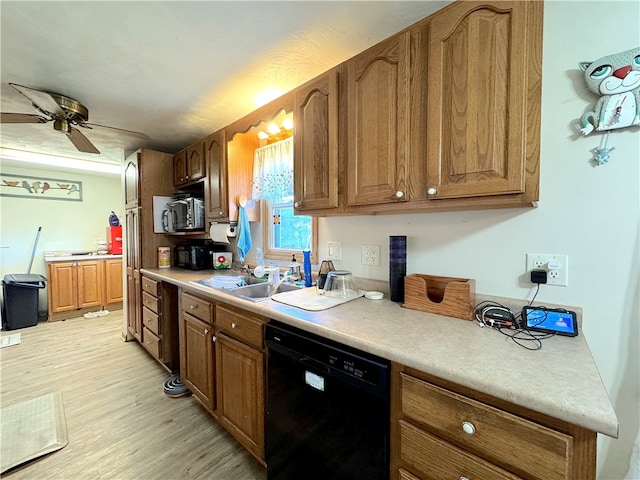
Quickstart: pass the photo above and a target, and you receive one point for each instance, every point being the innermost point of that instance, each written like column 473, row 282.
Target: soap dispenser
column 294, row 269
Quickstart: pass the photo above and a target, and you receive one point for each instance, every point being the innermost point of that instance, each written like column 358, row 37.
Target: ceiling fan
column 65, row 113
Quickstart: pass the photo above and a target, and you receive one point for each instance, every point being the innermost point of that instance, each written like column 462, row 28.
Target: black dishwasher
column 327, row 409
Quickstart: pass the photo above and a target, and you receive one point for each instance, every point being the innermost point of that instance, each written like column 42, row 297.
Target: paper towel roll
column 218, row 232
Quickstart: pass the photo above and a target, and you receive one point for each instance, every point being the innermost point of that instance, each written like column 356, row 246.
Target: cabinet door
column 477, row 99
column 240, row 375
column 112, row 281
column 90, row 286
column 63, row 287
column 130, row 179
column 216, row 161
column 198, row 369
column 195, row 162
column 180, row 168
column 316, row 143
column 134, row 314
column 132, row 240
column 377, row 125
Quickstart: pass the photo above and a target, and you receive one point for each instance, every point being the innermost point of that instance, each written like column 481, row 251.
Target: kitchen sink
column 261, row 291
column 234, row 281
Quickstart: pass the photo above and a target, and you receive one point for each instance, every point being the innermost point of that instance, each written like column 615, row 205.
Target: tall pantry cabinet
column 141, row 243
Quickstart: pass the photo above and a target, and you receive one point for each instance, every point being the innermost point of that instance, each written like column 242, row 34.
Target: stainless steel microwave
column 184, row 215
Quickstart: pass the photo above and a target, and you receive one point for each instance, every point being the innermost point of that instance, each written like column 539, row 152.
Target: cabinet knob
column 193, row 307
column 468, row 428
column 463, row 478
column 213, row 339
column 206, row 331
column 296, row 204
column 432, row 191
column 399, row 194
column 234, row 325
column 221, row 213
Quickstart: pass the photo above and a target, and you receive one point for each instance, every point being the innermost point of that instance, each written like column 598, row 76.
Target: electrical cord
column 517, row 328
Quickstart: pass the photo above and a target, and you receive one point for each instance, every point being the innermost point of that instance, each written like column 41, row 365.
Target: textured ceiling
column 176, row 71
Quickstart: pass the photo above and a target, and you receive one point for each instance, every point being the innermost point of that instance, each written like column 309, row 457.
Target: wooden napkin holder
column 452, row 297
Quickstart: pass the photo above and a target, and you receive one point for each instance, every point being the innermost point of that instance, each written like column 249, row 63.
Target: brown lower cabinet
column 438, row 429
column 441, row 430
column 197, row 349
column 222, row 363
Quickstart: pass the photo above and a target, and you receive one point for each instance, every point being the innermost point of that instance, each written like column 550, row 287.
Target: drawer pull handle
column 463, row 478
column 234, row 325
column 468, row 428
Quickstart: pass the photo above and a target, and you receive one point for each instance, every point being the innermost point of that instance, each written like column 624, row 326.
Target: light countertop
column 72, row 256
column 560, row 380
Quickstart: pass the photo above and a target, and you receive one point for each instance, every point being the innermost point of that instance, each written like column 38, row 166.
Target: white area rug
column 31, row 429
column 8, row 340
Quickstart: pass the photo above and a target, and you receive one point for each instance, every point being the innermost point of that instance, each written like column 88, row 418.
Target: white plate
column 374, row 295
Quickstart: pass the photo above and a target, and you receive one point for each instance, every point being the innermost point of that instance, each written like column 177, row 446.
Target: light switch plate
column 334, row 250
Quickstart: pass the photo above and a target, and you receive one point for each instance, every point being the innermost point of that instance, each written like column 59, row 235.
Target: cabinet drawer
column 151, row 320
column 534, row 450
column 197, row 307
column 239, row 325
column 152, row 343
column 436, row 459
column 404, row 475
column 151, row 302
column 151, row 286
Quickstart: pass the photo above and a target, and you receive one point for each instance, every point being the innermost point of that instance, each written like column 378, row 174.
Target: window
column 284, row 233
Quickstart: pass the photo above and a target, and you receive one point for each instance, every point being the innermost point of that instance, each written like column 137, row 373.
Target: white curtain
column 273, row 171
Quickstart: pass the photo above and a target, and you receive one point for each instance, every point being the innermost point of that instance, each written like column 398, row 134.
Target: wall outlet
column 556, row 266
column 371, row 255
column 334, row 251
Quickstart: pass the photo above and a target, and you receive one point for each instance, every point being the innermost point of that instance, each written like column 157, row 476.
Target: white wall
column 65, row 225
column 590, row 213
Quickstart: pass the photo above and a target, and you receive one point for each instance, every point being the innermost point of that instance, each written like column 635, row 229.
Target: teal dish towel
column 244, row 234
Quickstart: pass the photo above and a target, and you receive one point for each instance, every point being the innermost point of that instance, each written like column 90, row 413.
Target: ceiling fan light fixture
column 61, row 125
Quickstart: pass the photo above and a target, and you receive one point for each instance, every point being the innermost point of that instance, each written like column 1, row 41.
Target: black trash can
column 21, row 299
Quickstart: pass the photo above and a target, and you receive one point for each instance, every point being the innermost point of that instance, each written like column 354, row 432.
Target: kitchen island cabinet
column 81, row 284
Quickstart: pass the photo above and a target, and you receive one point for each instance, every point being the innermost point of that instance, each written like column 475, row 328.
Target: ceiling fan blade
column 121, row 131
column 42, row 100
column 21, row 118
column 81, row 142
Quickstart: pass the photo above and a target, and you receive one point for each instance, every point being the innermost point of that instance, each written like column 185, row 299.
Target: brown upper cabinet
column 482, row 101
column 316, row 143
column 130, row 178
column 189, row 164
column 378, row 122
column 444, row 115
column 215, row 149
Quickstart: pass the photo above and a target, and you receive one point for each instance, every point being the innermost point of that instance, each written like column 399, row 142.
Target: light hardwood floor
column 120, row 423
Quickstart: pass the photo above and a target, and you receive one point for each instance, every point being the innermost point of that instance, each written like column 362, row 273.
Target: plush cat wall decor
column 616, row 78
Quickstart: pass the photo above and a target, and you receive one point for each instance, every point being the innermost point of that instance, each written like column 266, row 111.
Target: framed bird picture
column 24, row 186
